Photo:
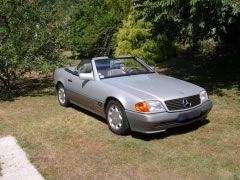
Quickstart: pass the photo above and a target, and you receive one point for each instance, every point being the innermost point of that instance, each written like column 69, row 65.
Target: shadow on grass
column 34, row 87
column 214, row 73
column 171, row 132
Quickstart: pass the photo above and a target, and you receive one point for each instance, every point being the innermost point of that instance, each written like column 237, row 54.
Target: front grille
column 183, row 103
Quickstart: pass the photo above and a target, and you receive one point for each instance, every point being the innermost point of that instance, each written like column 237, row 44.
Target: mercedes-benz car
column 131, row 95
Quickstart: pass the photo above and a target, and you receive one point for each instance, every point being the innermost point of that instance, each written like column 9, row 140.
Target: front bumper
column 157, row 122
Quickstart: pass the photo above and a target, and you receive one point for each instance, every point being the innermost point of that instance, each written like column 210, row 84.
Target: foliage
column 32, row 33
column 134, row 38
column 28, row 39
column 153, row 30
column 188, row 21
column 93, row 24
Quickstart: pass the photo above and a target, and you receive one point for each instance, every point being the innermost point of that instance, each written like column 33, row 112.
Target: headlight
column 149, row 106
column 203, row 96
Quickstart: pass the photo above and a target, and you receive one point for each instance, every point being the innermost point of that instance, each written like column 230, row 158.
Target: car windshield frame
column 148, row 69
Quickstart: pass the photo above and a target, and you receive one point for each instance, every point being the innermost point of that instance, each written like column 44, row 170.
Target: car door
column 80, row 88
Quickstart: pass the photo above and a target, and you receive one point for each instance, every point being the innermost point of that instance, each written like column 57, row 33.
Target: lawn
column 71, row 143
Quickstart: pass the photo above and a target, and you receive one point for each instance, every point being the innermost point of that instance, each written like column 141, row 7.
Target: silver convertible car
column 131, row 95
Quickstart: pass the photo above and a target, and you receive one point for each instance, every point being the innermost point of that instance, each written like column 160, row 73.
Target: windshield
column 108, row 68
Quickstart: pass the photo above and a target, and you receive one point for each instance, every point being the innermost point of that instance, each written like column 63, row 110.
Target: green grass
column 70, row 143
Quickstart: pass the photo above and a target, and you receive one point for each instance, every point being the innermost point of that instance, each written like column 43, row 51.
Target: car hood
column 154, row 86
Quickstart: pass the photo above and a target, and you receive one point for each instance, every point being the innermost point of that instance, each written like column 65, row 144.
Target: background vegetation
column 93, row 25
column 30, row 37
column 33, row 34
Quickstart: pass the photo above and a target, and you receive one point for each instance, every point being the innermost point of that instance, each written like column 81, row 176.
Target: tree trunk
column 6, row 92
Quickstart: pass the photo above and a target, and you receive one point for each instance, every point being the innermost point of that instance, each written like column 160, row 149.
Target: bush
column 134, row 38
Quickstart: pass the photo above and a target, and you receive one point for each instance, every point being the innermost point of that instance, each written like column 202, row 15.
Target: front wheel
column 117, row 119
column 62, row 98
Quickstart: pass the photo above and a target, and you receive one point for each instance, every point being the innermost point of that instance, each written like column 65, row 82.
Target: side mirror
column 86, row 76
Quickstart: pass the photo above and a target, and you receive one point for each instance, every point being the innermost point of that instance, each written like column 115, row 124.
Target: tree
column 189, row 21
column 28, row 40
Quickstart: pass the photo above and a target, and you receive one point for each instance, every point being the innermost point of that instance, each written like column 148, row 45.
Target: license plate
column 188, row 116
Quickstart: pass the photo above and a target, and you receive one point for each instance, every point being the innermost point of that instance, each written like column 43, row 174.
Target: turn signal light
column 142, row 107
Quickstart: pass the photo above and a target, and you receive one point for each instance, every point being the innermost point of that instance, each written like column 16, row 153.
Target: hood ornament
column 186, row 103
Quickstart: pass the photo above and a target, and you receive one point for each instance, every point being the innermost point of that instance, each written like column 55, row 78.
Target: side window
column 85, row 67
column 102, row 67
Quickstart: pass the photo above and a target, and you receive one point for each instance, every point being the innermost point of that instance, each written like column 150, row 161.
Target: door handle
column 69, row 80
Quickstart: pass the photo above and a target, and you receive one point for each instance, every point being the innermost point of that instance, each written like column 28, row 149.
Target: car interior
column 107, row 68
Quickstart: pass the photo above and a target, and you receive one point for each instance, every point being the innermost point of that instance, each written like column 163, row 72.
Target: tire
column 62, row 97
column 116, row 118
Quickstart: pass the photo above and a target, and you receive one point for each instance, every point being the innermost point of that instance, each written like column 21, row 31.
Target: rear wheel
column 117, row 119
column 62, row 98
